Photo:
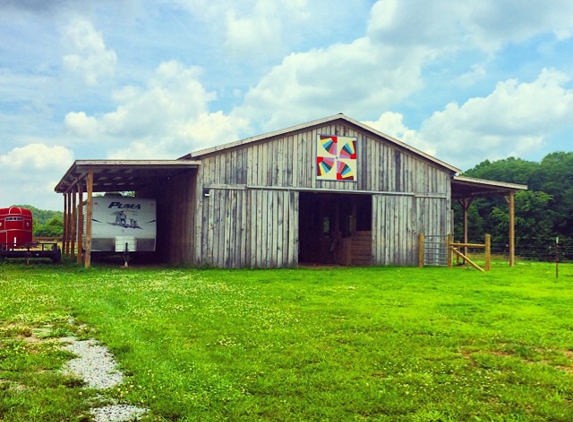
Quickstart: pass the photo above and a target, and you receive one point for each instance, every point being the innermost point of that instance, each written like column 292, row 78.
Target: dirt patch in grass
column 542, row 356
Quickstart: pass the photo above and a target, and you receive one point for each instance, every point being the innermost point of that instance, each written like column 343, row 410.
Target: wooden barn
column 331, row 191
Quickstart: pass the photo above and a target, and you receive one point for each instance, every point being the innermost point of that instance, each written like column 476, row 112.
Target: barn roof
column 305, row 126
column 122, row 175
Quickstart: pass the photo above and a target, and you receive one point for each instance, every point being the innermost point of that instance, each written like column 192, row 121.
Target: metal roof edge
column 493, row 183
column 80, row 166
column 105, row 162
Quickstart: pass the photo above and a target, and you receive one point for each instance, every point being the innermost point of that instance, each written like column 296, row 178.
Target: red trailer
column 15, row 226
column 16, row 239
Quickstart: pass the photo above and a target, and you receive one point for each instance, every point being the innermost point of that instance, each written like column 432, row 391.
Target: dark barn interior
column 335, row 228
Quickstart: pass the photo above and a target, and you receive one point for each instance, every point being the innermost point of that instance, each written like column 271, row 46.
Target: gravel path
column 96, row 366
column 117, row 413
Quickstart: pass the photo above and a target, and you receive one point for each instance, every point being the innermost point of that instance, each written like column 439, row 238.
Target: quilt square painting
column 336, row 158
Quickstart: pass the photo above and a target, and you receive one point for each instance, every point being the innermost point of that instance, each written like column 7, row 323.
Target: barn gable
column 287, row 158
column 264, row 201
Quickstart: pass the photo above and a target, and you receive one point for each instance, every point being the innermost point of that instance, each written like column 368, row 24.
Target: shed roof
column 122, row 175
column 305, row 126
column 468, row 187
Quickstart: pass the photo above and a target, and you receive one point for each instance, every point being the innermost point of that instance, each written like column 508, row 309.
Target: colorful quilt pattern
column 336, row 158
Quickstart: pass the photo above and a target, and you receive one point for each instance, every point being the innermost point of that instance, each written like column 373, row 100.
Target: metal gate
column 436, row 251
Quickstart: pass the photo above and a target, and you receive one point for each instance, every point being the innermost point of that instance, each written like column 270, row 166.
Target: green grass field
column 332, row 344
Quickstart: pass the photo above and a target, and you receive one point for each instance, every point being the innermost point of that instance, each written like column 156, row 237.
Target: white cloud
column 352, row 78
column 487, row 25
column 79, row 124
column 36, row 157
column 514, row 120
column 392, row 124
column 90, row 58
column 263, row 30
column 31, row 172
column 258, row 32
column 477, row 73
column 494, row 23
column 435, row 24
column 168, row 118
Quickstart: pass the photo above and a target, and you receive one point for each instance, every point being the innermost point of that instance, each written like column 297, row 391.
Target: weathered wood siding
column 250, row 217
column 242, row 227
column 273, row 229
column 397, row 221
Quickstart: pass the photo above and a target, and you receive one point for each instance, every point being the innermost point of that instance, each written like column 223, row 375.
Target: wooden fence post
column 487, row 252
column 450, row 250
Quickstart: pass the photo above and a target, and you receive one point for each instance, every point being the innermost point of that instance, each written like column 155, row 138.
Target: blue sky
column 464, row 81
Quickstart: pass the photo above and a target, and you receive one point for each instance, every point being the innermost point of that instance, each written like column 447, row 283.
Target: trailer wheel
column 56, row 254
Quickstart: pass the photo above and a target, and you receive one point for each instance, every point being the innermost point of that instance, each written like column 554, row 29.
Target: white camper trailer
column 123, row 224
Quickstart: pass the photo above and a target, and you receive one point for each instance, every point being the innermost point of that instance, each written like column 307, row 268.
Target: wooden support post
column 89, row 214
column 450, row 250
column 66, row 224
column 74, row 226
column 487, row 252
column 70, row 222
column 421, row 250
column 511, row 229
column 80, row 222
column 465, row 203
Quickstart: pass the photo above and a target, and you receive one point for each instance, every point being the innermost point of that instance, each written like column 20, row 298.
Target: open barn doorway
column 335, row 228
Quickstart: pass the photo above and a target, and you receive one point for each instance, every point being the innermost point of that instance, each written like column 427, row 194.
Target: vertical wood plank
column 264, row 238
column 292, row 229
column 245, row 247
column 253, row 213
column 279, row 237
column 210, row 235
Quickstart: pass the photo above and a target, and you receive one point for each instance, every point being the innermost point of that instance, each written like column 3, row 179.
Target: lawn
column 332, row 344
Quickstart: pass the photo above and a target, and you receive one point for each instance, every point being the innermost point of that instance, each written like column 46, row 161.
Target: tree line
column 46, row 223
column 542, row 213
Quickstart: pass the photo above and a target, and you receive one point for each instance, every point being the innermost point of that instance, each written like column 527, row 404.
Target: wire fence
column 547, row 249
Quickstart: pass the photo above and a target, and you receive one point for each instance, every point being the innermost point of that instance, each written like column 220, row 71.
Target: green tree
column 555, row 177
column 511, row 170
column 542, row 212
column 533, row 224
column 53, row 228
